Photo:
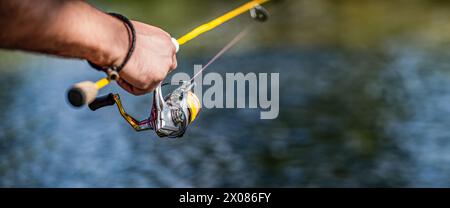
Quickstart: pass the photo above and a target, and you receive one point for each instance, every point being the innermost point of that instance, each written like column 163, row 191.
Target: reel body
column 172, row 115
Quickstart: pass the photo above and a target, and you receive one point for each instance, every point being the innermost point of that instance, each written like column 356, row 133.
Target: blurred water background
column 364, row 98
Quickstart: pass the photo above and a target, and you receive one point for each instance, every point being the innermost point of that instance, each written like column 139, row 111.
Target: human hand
column 153, row 58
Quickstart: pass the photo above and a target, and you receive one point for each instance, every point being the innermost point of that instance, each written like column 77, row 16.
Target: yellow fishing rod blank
column 219, row 21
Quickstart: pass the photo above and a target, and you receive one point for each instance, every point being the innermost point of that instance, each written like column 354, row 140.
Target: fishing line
column 233, row 42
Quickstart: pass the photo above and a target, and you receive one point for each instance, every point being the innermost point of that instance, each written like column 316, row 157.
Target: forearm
column 63, row 27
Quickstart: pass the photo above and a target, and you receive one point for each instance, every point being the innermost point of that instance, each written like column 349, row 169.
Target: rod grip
column 102, row 101
column 82, row 93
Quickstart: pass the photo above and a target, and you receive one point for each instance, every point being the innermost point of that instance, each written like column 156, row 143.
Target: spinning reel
column 170, row 116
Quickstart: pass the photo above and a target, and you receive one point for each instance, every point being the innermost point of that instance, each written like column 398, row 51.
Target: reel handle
column 103, row 101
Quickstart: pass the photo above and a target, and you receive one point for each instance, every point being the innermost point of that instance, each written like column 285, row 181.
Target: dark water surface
column 347, row 119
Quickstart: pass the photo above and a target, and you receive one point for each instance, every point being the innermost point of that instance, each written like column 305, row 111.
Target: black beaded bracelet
column 132, row 33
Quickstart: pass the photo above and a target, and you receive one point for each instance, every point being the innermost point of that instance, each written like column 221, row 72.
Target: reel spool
column 172, row 115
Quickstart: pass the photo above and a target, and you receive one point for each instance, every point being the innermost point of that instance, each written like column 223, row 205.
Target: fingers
column 174, row 63
column 131, row 89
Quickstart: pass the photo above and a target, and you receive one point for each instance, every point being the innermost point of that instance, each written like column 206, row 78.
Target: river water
column 364, row 102
column 346, row 119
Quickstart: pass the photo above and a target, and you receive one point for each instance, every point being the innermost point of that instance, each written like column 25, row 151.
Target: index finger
column 130, row 88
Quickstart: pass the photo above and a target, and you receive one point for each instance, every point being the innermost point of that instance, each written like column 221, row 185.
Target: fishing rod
column 170, row 115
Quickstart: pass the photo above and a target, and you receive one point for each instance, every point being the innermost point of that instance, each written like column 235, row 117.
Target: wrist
column 113, row 43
